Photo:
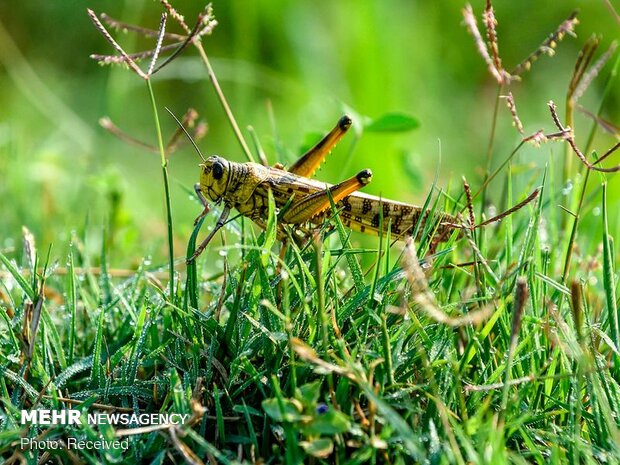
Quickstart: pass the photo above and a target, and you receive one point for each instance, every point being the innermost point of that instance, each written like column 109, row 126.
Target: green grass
column 495, row 348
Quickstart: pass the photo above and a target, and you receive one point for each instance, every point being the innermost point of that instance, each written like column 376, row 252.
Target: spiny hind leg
column 311, row 205
column 312, row 159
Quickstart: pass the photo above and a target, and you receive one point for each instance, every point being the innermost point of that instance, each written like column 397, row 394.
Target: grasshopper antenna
column 186, row 133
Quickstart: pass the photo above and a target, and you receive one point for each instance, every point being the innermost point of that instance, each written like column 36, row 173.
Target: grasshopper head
column 215, row 172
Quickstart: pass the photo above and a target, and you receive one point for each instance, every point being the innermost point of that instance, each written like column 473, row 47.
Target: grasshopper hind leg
column 314, row 204
column 312, row 159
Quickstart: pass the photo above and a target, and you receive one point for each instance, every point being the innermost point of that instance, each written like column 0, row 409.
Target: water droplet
column 568, row 187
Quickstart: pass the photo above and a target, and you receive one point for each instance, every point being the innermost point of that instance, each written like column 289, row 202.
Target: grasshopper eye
column 218, row 170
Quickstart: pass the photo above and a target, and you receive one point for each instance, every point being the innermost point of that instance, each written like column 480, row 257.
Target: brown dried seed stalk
column 104, row 32
column 549, row 44
column 191, row 36
column 607, row 126
column 571, row 141
column 593, row 72
column 488, row 18
column 146, row 32
column 472, row 26
column 585, row 57
column 160, row 38
column 470, row 205
column 501, row 216
column 510, row 103
column 521, row 295
column 115, row 59
column 510, row 211
column 174, row 14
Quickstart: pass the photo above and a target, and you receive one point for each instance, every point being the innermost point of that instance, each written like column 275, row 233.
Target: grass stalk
column 225, row 106
column 164, row 169
column 582, row 194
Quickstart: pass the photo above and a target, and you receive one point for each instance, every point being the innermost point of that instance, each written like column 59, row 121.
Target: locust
column 302, row 201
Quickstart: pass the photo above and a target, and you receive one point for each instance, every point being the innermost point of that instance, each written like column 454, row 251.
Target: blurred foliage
column 289, row 69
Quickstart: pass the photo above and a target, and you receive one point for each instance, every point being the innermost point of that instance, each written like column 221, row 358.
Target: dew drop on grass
column 592, row 280
column 543, row 235
column 596, row 211
column 223, row 252
column 568, row 187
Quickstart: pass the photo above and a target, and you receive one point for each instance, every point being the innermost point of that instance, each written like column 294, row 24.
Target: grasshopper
column 301, row 200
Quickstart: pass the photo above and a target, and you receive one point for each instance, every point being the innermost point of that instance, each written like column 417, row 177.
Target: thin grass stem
column 164, row 168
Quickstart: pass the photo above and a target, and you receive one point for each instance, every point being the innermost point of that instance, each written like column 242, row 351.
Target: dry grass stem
column 577, row 307
column 193, row 35
column 137, row 56
column 174, row 14
column 104, row 32
column 499, row 217
column 549, row 44
column 146, row 32
column 425, row 299
column 488, row 18
column 204, row 26
column 160, row 38
column 510, row 211
column 470, row 204
column 516, row 122
column 521, row 295
column 570, row 138
column 175, row 141
column 585, row 57
column 594, row 71
column 470, row 21
column 608, row 153
column 605, row 125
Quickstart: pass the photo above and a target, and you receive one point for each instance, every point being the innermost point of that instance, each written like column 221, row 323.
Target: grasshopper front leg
column 203, row 201
column 313, row 204
column 220, row 222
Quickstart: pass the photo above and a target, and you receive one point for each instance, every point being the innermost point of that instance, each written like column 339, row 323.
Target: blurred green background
column 308, row 61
